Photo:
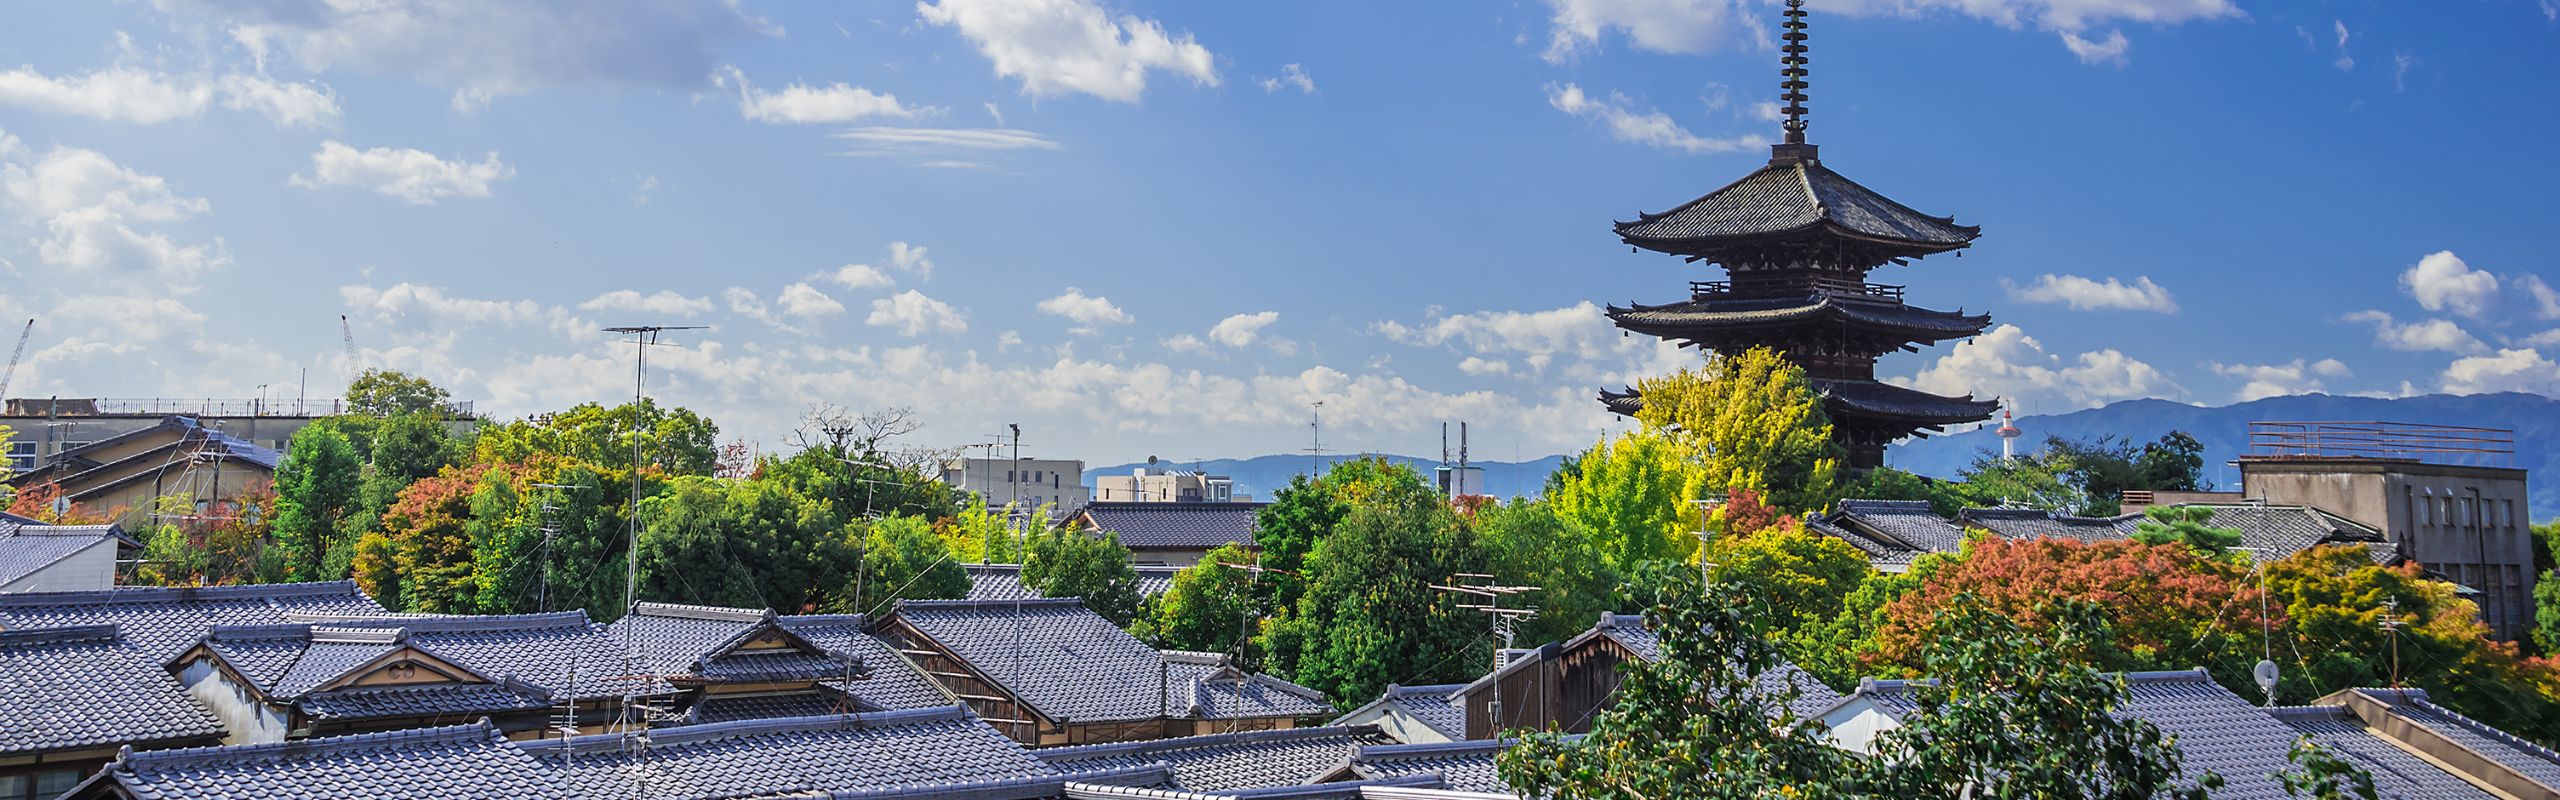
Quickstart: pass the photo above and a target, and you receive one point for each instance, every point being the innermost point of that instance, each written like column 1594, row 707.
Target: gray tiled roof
column 734, row 707
column 163, row 622
column 2270, row 532
column 27, row 548
column 460, row 761
column 1436, row 706
column 1467, row 766
column 2396, row 772
column 2535, row 761
column 2028, row 524
column 1883, row 555
column 1004, row 581
column 1899, row 524
column 1226, row 761
column 561, row 651
column 1174, row 525
column 1802, row 197
column 678, row 637
column 82, row 687
column 291, row 664
column 1722, row 312
column 763, row 757
column 1077, row 666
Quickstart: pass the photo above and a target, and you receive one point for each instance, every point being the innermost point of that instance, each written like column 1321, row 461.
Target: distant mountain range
column 1259, row 476
column 2224, row 430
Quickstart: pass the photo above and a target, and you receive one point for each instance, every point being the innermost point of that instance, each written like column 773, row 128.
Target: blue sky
column 1141, row 227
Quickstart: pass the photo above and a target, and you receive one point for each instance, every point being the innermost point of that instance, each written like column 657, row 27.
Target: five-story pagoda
column 1797, row 241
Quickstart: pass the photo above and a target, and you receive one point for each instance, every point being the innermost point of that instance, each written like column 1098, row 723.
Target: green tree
column 1068, row 562
column 1369, row 616
column 755, row 544
column 316, row 489
column 1633, row 498
column 423, row 557
column 2320, row 774
column 980, row 535
column 405, row 448
column 1751, row 421
column 1528, row 543
column 1307, row 510
column 2546, row 591
column 1209, row 606
column 903, row 560
column 2188, row 525
column 384, row 393
column 1804, row 577
column 673, row 441
column 506, row 546
column 857, row 486
column 2046, row 479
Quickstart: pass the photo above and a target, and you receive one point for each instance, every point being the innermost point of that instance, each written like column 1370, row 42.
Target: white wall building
column 1034, row 481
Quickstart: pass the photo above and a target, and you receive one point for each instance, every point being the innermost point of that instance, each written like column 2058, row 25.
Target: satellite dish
column 2266, row 674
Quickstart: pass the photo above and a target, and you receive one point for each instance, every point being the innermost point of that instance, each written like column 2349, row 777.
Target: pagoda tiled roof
column 793, row 756
column 1226, row 761
column 458, row 761
column 84, row 687
column 1197, row 525
column 1848, row 399
column 1794, row 198
column 1717, row 313
column 163, row 622
column 1078, row 667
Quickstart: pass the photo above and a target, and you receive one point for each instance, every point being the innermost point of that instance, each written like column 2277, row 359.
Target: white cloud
column 413, row 300
column 1186, row 343
column 2442, row 282
column 495, row 48
column 2511, row 370
column 1085, row 309
column 911, row 260
column 2009, row 364
column 2084, row 294
column 940, row 147
column 802, row 104
column 2549, row 338
column 1291, row 76
column 416, row 176
column 911, row 313
column 1483, row 367
column 118, row 94
column 2427, row 334
column 2276, row 380
column 97, row 216
column 467, row 100
column 804, row 300
column 1062, row 46
column 287, row 104
column 1241, row 330
column 2546, row 300
column 2345, row 63
column 1698, row 26
column 860, row 276
column 664, row 302
column 1649, row 127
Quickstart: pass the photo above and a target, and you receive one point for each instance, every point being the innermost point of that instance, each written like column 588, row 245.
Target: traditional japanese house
column 164, row 621
column 743, row 663
column 1052, row 672
column 1565, row 685
column 1414, row 714
column 1797, row 241
column 456, row 761
column 72, row 696
column 1224, row 762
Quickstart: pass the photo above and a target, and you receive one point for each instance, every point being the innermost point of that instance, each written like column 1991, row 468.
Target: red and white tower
column 2009, row 434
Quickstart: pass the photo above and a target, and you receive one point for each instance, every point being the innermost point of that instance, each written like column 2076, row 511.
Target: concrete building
column 2469, row 522
column 1035, row 482
column 124, row 476
column 1155, row 483
column 47, row 426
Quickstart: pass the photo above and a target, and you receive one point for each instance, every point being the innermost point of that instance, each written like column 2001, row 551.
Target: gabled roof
column 1078, row 667
column 83, row 687
column 1004, row 581
column 1897, row 525
column 1885, row 556
column 27, row 548
column 1794, row 199
column 2029, row 524
column 163, row 622
column 561, row 651
column 918, row 748
column 320, row 670
column 1226, row 761
column 1435, row 706
column 459, row 761
column 684, row 638
column 1174, row 525
column 2396, row 772
column 1629, row 631
column 2269, row 533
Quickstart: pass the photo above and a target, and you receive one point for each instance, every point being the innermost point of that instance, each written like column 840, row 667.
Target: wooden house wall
column 989, row 701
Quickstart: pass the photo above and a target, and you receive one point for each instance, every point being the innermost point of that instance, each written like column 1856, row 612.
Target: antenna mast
column 1506, row 621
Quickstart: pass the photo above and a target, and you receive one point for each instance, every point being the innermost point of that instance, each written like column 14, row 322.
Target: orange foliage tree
column 2170, row 609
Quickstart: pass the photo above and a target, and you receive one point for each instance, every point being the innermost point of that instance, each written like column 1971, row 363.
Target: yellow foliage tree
column 1748, row 421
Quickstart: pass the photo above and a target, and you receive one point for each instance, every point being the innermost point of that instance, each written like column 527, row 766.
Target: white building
column 1155, row 483
column 1033, row 481
column 59, row 558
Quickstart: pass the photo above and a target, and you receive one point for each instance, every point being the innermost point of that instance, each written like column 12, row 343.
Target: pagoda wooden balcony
column 1799, row 287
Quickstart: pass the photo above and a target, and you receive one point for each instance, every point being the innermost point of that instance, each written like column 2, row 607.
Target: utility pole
column 1506, row 621
column 2391, row 628
column 550, row 529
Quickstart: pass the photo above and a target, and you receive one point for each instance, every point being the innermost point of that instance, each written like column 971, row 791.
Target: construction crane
column 347, row 335
column 14, row 355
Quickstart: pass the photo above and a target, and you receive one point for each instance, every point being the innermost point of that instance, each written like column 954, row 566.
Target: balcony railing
column 1701, row 290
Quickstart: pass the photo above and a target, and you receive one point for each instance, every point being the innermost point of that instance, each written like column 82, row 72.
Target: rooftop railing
column 2436, row 444
column 189, row 407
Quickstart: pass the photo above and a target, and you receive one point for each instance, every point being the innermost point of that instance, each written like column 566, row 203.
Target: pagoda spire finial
column 1794, row 70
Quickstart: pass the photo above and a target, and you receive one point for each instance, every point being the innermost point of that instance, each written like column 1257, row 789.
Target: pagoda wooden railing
column 1796, row 287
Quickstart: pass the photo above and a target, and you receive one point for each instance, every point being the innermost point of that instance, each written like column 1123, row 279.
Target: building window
column 22, row 457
